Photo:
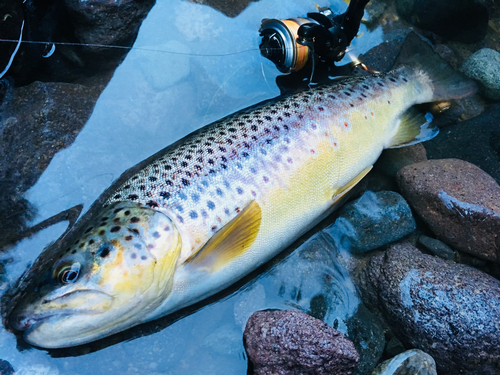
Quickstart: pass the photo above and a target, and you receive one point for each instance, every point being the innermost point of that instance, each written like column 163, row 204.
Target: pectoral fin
column 415, row 127
column 341, row 193
column 231, row 241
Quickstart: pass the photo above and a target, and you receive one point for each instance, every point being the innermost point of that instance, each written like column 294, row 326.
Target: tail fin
column 447, row 82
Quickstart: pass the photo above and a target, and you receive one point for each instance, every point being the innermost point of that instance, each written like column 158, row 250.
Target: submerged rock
column 451, row 311
column 459, row 202
column 372, row 221
column 411, row 362
column 367, row 334
column 6, row 368
column 393, row 159
column 476, row 140
column 463, row 20
column 484, row 66
column 291, row 342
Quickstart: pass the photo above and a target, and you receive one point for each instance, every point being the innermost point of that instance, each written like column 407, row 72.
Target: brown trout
column 226, row 199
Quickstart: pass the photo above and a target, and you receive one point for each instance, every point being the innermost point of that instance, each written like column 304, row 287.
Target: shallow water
column 190, row 65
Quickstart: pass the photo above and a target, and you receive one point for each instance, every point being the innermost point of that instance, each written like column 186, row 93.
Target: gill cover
column 119, row 270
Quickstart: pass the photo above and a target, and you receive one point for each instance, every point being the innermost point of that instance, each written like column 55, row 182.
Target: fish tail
column 446, row 82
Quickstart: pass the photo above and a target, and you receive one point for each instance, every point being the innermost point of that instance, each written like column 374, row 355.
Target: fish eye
column 67, row 273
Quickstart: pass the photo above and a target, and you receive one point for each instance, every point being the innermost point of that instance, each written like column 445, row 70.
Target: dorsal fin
column 415, row 127
column 231, row 241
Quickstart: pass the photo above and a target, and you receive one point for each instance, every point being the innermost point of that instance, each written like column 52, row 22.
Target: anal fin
column 231, row 241
column 415, row 127
column 342, row 192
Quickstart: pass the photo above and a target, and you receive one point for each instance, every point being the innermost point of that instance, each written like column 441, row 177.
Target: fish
column 225, row 200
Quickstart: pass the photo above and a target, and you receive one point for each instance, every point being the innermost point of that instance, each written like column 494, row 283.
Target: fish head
column 118, row 270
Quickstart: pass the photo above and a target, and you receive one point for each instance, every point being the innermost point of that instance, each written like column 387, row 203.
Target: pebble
column 294, row 343
column 484, row 66
column 437, row 247
column 372, row 221
column 451, row 311
column 459, row 202
column 411, row 362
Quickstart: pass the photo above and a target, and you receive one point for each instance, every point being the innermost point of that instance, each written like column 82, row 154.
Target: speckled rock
column 291, row 342
column 392, row 160
column 459, row 202
column 462, row 20
column 451, row 311
column 372, row 221
column 437, row 247
column 484, row 66
column 411, row 362
column 476, row 140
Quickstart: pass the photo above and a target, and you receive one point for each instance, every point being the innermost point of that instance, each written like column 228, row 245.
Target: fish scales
column 223, row 201
column 207, row 179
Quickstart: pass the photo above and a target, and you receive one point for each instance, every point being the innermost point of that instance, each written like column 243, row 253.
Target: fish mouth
column 27, row 318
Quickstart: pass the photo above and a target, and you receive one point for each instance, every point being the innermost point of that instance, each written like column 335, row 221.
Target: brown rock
column 459, row 201
column 291, row 342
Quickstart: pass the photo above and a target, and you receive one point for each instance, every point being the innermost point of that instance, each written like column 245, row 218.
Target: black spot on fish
column 152, row 178
column 404, row 79
column 88, row 230
column 152, row 204
column 229, row 141
column 115, row 229
column 91, row 242
column 287, row 114
column 211, row 161
column 117, row 196
column 133, row 255
column 224, row 159
column 380, row 84
column 193, row 215
column 116, row 220
column 211, row 139
column 197, row 167
column 156, row 235
column 226, row 211
column 168, row 167
column 219, row 192
column 133, row 197
column 184, row 164
column 239, row 190
column 254, row 138
column 188, row 174
column 210, row 151
column 392, row 79
column 195, row 198
column 74, row 251
column 237, row 210
column 210, row 205
column 333, row 97
column 104, row 253
column 144, row 257
column 181, row 220
column 117, row 210
column 254, row 128
column 129, row 238
column 102, row 233
column 169, row 183
column 134, row 219
column 232, row 130
column 135, row 178
column 134, row 230
column 142, row 187
column 223, row 166
column 126, row 187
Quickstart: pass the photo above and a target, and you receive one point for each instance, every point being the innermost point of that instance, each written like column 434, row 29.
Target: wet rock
column 230, row 8
column 451, row 311
column 6, row 368
column 52, row 116
column 437, row 247
column 394, row 347
column 367, row 334
column 484, row 66
column 291, row 342
column 476, row 140
column 410, row 362
column 459, row 202
column 465, row 20
column 383, row 56
column 392, row 160
column 372, row 221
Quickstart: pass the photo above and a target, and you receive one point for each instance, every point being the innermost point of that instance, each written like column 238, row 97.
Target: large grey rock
column 459, row 202
column 372, row 221
column 411, row 362
column 451, row 311
column 291, row 342
column 484, row 66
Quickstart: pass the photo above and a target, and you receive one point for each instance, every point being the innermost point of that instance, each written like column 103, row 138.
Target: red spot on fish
column 372, row 113
column 266, row 179
column 313, row 152
column 366, row 118
column 334, row 144
column 389, row 101
column 321, row 109
column 346, row 124
column 289, row 160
